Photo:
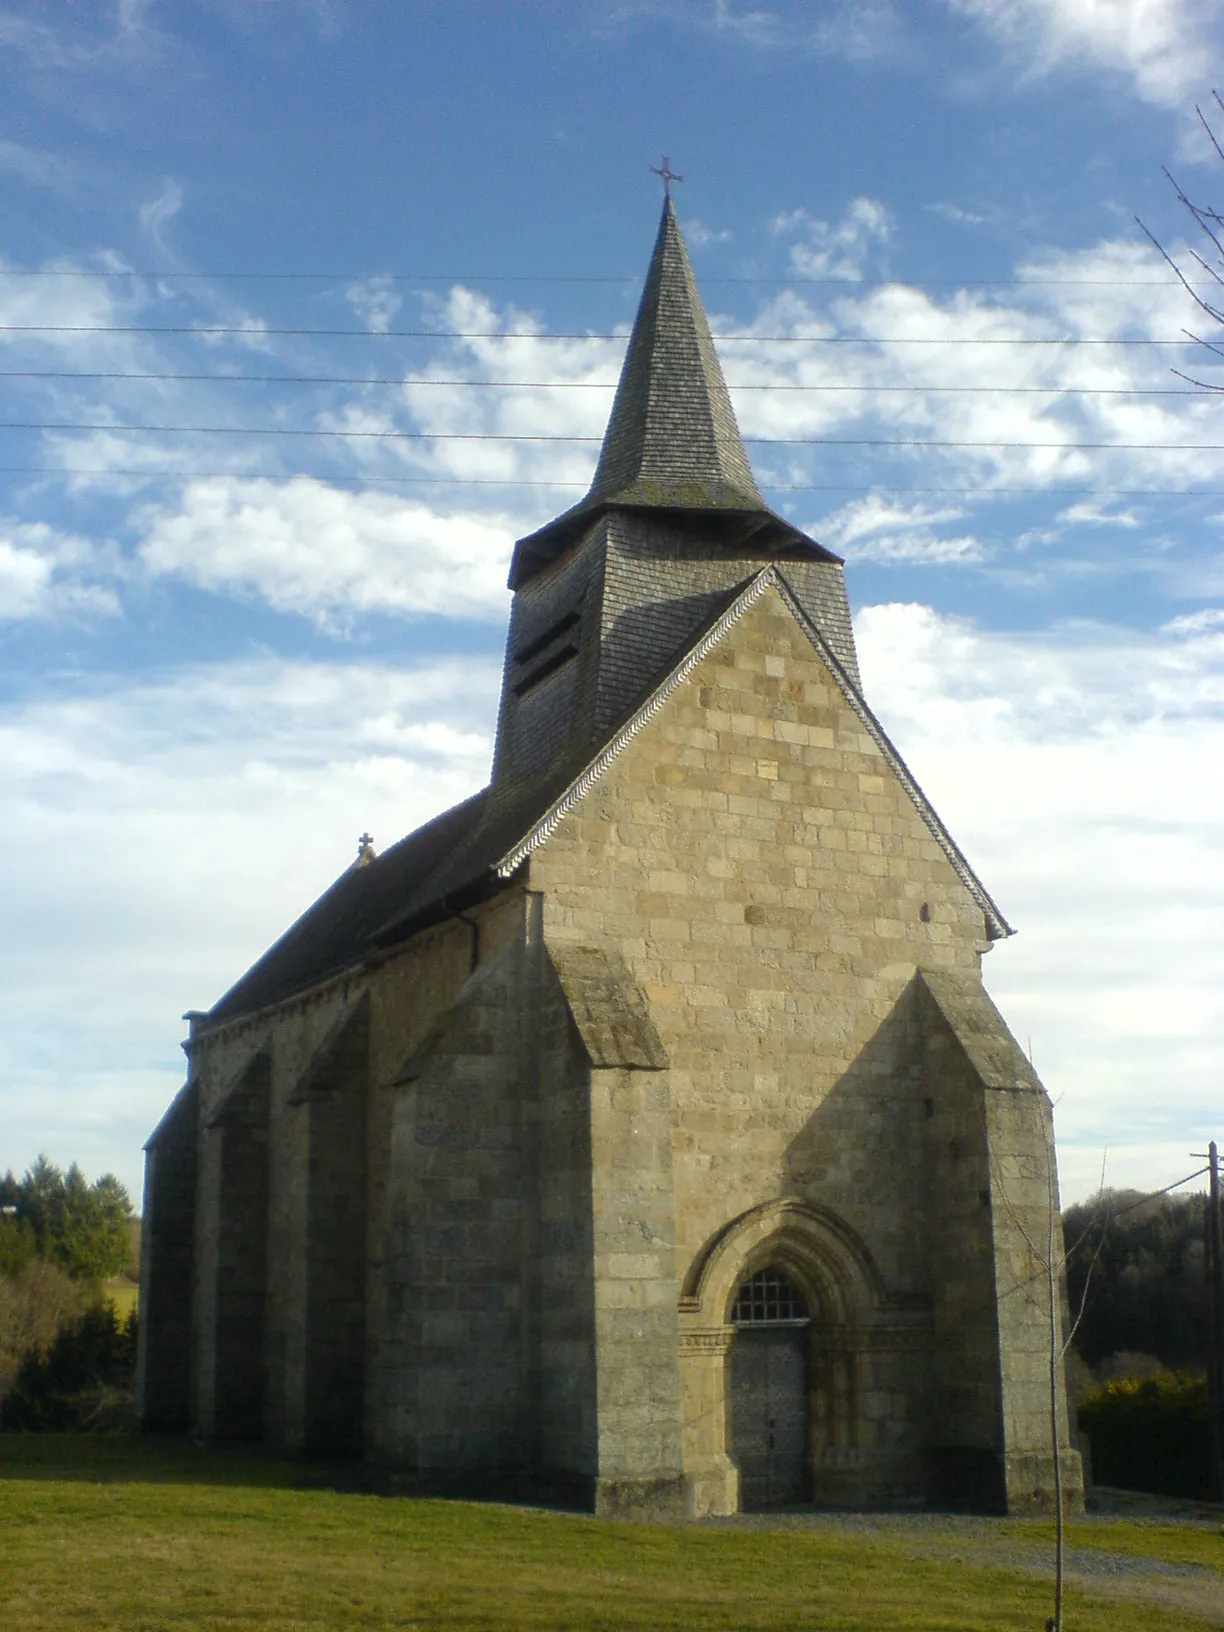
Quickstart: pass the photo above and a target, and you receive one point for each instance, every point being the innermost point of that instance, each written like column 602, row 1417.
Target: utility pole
column 1213, row 1241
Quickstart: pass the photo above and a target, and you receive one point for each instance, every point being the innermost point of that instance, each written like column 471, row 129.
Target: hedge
column 1151, row 1434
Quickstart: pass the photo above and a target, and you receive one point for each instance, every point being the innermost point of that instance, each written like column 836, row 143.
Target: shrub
column 1151, row 1434
column 82, row 1380
column 36, row 1301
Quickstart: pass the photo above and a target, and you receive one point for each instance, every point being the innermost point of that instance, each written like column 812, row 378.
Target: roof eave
column 538, row 550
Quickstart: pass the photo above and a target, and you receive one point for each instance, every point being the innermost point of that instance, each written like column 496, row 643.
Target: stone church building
column 637, row 1133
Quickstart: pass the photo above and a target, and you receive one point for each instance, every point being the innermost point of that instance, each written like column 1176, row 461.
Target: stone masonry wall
column 773, row 888
column 452, row 1356
column 167, row 1245
column 405, row 996
column 966, row 1422
column 334, row 1098
column 230, row 1279
column 561, row 1288
column 409, row 994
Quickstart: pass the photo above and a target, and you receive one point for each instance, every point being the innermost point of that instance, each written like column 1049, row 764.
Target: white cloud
column 974, row 389
column 305, row 547
column 156, row 837
column 1093, row 514
column 100, row 35
column 1197, row 623
column 48, row 574
column 157, row 214
column 877, row 528
column 36, row 166
column 511, row 348
column 1167, row 48
column 958, row 215
column 375, row 301
column 857, row 30
column 1083, row 773
column 699, row 236
column 835, row 251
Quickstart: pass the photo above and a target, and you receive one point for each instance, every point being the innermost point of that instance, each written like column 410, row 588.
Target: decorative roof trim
column 997, row 926
column 612, row 750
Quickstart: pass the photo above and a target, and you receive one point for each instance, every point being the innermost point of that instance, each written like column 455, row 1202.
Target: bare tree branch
column 1210, row 223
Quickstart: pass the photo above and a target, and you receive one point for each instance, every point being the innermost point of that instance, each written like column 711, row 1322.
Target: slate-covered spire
column 672, row 443
column 672, row 439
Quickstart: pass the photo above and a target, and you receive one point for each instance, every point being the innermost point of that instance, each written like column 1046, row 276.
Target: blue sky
column 228, row 647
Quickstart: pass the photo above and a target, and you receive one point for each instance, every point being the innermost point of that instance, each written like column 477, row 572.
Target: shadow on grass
column 132, row 1458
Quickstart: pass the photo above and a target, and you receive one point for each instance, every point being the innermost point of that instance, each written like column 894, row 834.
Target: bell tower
column 610, row 592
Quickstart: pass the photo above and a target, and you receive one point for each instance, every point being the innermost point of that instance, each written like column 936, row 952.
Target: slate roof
column 672, row 441
column 673, row 437
column 339, row 929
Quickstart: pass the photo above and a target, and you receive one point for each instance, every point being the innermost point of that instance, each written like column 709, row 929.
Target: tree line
column 66, row 1357
column 1135, row 1268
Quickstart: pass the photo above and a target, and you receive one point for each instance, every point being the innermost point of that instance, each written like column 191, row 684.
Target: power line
column 522, row 436
column 514, row 481
column 591, row 385
column 497, row 334
column 612, row 279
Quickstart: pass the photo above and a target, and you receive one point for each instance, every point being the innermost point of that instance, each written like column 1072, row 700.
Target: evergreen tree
column 63, row 1219
column 1146, row 1293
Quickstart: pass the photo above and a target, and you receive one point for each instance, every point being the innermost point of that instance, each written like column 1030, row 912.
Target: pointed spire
column 672, row 443
column 672, row 439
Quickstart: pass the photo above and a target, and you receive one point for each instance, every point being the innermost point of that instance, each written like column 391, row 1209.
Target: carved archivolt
column 826, row 1259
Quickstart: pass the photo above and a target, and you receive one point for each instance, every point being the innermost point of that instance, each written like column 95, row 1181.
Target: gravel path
column 1192, row 1589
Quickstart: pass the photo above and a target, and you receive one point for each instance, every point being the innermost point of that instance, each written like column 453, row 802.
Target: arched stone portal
column 812, row 1366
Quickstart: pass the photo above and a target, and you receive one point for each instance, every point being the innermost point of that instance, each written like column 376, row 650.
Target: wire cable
column 612, row 279
column 74, row 426
column 592, row 385
column 518, row 481
column 261, row 333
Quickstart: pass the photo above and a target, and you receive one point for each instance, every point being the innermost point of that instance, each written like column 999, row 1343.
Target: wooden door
column 769, row 1414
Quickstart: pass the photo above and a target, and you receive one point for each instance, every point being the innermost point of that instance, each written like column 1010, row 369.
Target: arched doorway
column 769, row 1390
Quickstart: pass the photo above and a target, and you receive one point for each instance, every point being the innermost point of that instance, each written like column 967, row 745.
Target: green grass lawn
column 1171, row 1543
column 147, row 1537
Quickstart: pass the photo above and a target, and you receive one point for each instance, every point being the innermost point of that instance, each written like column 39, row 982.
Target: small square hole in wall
column 924, row 912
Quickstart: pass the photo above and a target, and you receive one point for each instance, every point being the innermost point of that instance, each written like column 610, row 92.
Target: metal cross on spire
column 665, row 174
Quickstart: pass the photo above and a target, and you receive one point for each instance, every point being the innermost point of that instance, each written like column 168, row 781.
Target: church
column 637, row 1134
